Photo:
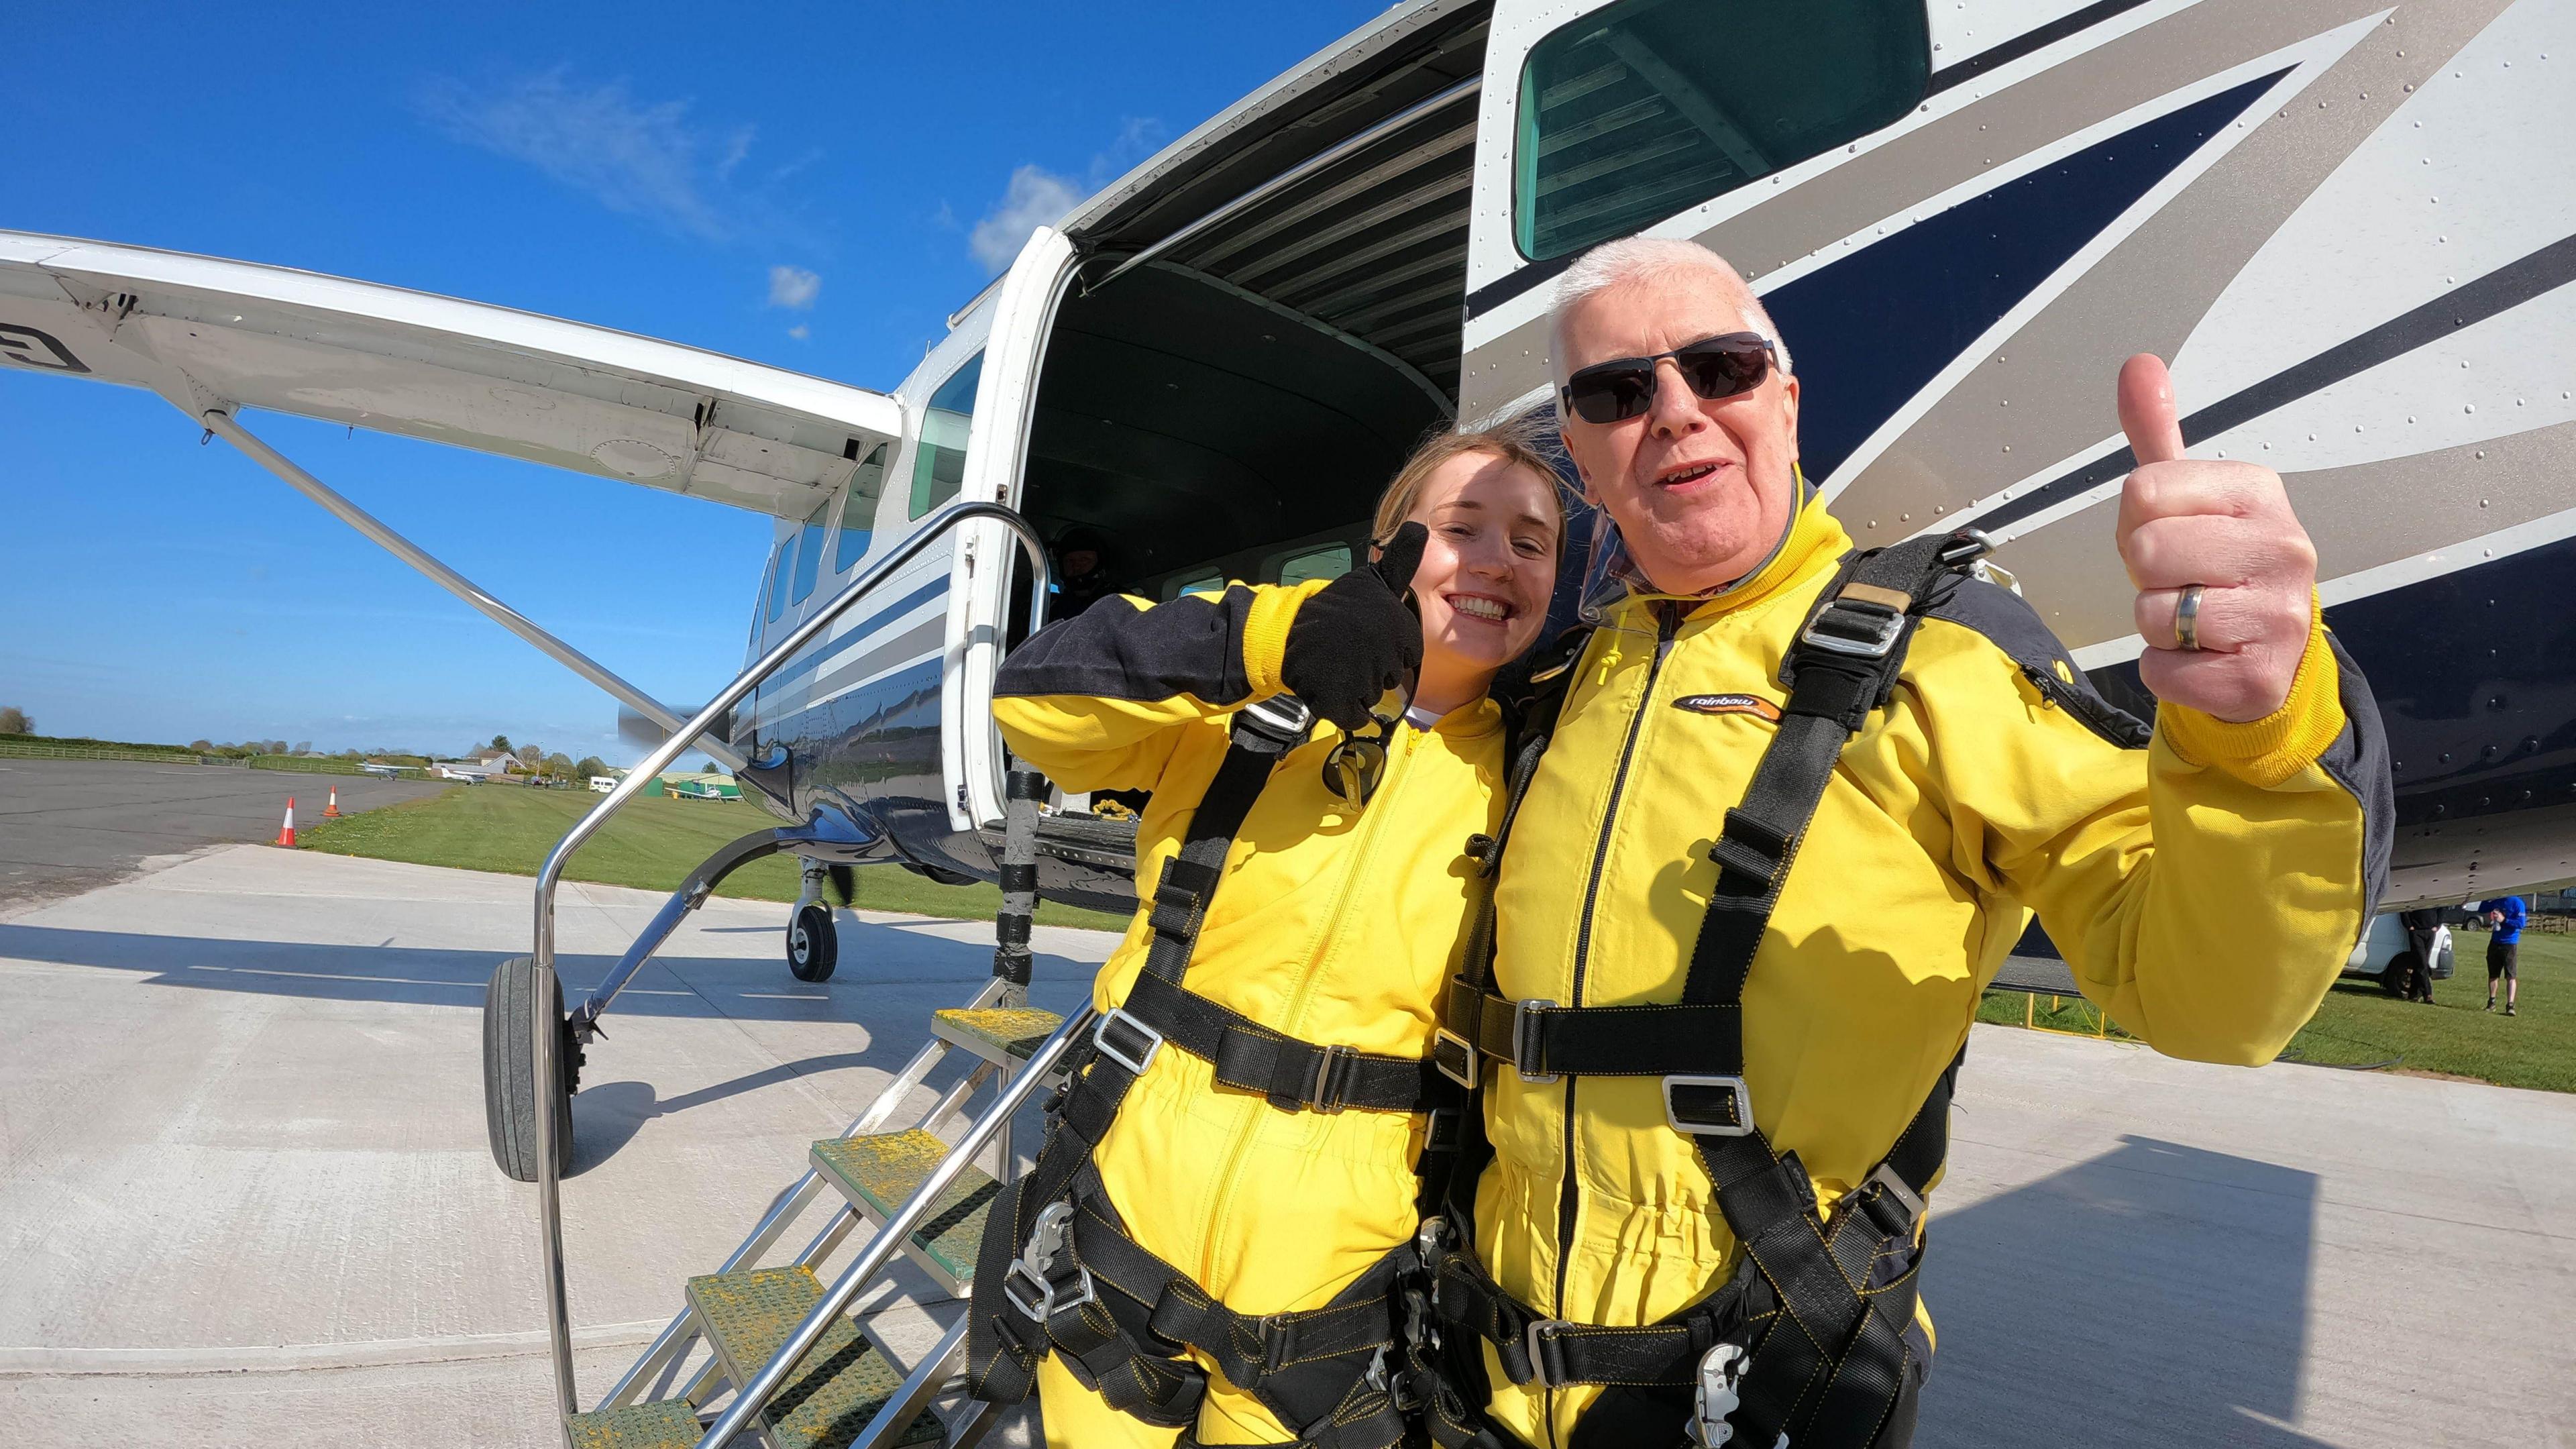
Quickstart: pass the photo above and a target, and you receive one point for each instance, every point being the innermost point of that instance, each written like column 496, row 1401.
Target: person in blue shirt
column 2507, row 915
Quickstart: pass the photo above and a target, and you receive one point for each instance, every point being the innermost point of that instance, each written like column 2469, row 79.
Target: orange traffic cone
column 286, row 832
column 332, row 810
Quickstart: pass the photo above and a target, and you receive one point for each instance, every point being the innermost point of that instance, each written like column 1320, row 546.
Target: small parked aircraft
column 2351, row 224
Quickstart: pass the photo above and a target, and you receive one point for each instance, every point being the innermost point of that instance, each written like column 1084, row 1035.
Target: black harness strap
column 1058, row 1272
column 1822, row 1306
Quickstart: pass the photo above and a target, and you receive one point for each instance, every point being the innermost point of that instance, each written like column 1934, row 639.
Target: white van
column 2384, row 952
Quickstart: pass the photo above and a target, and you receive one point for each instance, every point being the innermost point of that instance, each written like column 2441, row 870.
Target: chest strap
column 1826, row 1363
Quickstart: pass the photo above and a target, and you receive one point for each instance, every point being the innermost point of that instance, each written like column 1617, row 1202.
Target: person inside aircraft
column 1792, row 811
column 1210, row 1239
column 1082, row 571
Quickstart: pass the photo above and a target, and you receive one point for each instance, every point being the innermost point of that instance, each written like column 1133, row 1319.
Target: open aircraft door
column 979, row 588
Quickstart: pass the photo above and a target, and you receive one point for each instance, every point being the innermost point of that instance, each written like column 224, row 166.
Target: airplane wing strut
column 222, row 424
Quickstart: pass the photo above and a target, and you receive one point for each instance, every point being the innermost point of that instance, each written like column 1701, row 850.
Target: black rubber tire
column 2398, row 976
column 510, row 1072
column 813, row 944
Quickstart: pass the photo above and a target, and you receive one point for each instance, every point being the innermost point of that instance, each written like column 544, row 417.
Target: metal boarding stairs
column 785, row 1362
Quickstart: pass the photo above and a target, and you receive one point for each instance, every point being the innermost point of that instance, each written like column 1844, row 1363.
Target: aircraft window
column 859, row 511
column 939, row 464
column 768, row 576
column 1649, row 106
column 1212, row 583
column 1328, row 562
column 809, row 552
column 778, row 576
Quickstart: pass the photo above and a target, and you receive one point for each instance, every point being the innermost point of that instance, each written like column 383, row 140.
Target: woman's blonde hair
column 1527, row 442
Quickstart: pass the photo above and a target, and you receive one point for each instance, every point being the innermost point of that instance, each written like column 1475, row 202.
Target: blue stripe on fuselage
column 856, row 635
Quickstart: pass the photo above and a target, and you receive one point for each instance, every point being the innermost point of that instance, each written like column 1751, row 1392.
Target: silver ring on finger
column 2187, row 618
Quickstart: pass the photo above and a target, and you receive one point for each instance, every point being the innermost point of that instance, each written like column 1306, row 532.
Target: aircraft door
column 970, row 746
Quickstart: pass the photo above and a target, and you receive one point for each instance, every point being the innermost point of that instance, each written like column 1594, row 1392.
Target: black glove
column 1354, row 639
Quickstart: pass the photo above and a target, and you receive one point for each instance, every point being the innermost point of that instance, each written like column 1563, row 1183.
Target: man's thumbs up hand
column 2226, row 530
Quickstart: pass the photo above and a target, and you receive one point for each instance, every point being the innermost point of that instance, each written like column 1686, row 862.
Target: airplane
column 2349, row 224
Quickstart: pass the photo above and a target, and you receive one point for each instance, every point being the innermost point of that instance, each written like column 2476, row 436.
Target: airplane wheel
column 510, row 1072
column 813, row 944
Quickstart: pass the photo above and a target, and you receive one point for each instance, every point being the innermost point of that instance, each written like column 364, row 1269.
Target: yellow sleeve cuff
column 2267, row 751
column 1265, row 633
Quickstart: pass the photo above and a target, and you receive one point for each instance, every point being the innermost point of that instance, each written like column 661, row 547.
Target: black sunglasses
column 1714, row 367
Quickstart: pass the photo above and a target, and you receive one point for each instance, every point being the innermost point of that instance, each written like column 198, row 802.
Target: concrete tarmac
column 68, row 826
column 245, row 1197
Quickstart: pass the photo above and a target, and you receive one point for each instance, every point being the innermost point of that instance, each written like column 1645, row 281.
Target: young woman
column 1206, row 1244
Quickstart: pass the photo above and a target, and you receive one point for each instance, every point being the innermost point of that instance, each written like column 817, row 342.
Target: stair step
column 878, row 1172
column 670, row 1424
column 1004, row 1034
column 843, row 1381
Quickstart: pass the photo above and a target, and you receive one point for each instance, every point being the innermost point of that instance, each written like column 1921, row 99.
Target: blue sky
column 815, row 187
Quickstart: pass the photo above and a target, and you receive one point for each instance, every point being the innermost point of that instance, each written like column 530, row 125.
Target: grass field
column 2358, row 1024
column 653, row 843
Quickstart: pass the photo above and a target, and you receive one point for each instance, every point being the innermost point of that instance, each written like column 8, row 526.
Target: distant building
column 703, row 785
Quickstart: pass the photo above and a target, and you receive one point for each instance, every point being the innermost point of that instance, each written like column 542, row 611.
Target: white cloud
column 635, row 157
column 793, row 288
column 1037, row 197
column 800, row 331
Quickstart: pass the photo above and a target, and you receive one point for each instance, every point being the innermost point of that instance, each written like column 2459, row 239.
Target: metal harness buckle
column 1281, row 722
column 1027, row 1286
column 1143, row 1056
column 1455, row 1057
column 1525, row 1040
column 1694, row 1120
column 1533, row 1342
column 1328, row 1090
column 1855, row 627
column 1885, row 1179
column 1721, row 1369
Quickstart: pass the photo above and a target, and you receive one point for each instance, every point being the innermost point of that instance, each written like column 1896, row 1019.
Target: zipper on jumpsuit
column 1667, row 623
column 1231, row 1178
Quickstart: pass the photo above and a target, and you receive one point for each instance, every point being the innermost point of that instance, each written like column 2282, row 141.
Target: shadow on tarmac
column 731, row 988
column 2155, row 1295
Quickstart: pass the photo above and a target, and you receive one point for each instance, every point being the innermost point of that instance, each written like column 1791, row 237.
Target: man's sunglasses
column 1714, row 367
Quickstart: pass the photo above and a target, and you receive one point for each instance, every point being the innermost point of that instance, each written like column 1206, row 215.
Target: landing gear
column 813, row 943
column 510, row 1010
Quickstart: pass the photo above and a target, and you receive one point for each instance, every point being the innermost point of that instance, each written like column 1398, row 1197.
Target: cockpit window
column 1646, row 107
column 779, row 570
column 809, row 551
column 859, row 511
column 939, row 464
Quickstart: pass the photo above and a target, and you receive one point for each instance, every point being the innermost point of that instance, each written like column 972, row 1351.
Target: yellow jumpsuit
column 1334, row 924
column 2205, row 891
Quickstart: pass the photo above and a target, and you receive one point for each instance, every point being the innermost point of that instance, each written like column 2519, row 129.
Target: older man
column 1795, row 808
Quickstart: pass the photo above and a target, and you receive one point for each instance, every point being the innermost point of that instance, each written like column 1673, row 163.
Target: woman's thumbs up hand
column 1354, row 639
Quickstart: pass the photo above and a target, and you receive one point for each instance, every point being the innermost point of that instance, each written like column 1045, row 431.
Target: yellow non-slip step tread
column 1014, row 1030
column 670, row 1424
column 842, row 1382
column 884, row 1169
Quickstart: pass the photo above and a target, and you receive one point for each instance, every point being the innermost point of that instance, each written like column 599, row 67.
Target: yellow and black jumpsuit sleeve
column 2206, row 902
column 1100, row 701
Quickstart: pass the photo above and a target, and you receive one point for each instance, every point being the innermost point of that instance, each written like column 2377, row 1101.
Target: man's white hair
column 1645, row 258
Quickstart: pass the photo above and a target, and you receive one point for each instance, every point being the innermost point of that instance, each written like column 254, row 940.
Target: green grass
column 652, row 844
column 2358, row 1024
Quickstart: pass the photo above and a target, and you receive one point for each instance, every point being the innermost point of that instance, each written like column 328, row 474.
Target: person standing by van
column 1211, row 1238
column 2506, row 915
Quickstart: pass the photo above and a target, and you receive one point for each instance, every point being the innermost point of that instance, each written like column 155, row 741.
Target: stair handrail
column 545, row 1026
column 752, row 1397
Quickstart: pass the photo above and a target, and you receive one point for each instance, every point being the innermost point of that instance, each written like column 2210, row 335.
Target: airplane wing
column 206, row 333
